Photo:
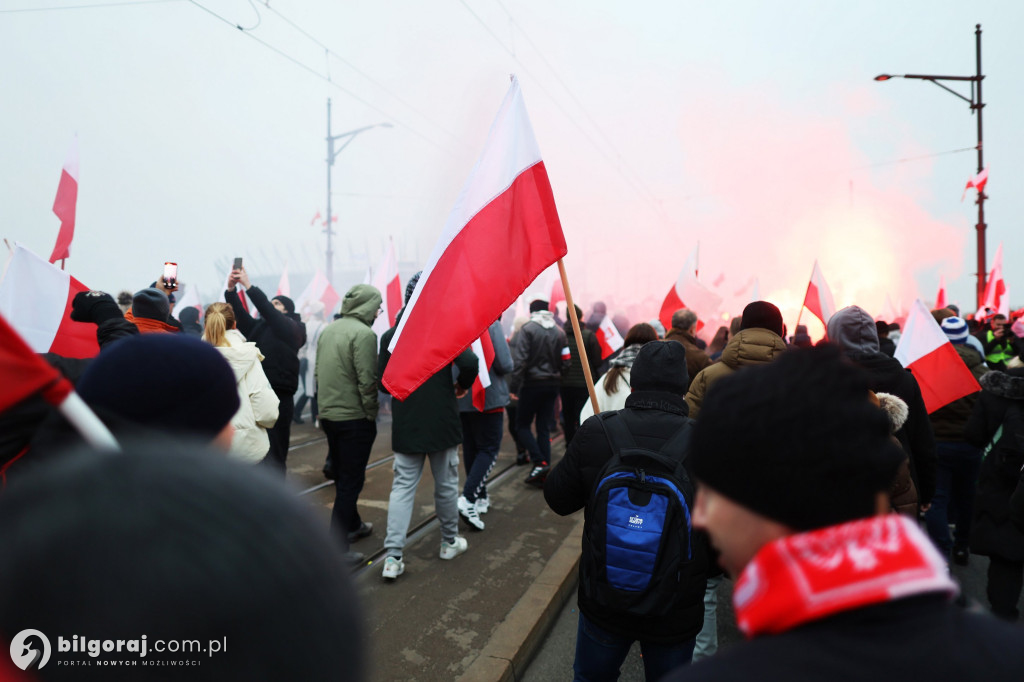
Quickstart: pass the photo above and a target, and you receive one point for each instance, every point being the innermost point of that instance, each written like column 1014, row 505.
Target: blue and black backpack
column 638, row 547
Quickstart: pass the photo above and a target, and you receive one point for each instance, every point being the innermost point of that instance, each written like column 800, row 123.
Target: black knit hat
column 538, row 304
column 177, row 541
column 660, row 366
column 289, row 304
column 410, row 286
column 796, row 440
column 152, row 304
column 762, row 315
column 171, row 382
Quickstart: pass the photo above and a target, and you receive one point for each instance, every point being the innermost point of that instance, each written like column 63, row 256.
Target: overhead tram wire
column 642, row 192
column 311, row 70
column 92, row 6
column 365, row 75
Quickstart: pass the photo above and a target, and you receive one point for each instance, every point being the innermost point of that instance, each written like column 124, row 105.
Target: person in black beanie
column 793, row 464
column 174, row 542
column 655, row 411
column 279, row 334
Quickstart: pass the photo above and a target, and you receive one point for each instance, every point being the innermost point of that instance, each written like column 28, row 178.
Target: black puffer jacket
column 1001, row 404
column 537, row 353
column 277, row 336
column 655, row 417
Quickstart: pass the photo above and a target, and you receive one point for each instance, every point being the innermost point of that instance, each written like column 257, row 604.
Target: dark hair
column 638, row 334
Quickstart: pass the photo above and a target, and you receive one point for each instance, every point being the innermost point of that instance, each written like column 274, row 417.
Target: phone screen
column 170, row 274
column 238, row 264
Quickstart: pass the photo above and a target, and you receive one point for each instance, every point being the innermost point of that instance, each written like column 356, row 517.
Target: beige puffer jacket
column 750, row 347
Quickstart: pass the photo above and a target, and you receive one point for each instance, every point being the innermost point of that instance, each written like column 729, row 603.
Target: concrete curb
column 513, row 643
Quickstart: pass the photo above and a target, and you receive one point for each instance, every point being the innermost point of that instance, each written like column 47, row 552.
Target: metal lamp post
column 332, row 154
column 976, row 106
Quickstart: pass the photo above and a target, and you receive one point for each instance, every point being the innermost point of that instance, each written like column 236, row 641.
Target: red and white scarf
column 804, row 577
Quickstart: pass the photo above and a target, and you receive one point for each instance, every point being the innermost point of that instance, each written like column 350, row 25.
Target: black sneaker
column 522, row 458
column 353, row 558
column 329, row 470
column 364, row 531
column 538, row 475
column 961, row 556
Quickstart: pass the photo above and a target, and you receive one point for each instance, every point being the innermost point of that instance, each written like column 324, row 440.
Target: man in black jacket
column 793, row 465
column 655, row 411
column 279, row 334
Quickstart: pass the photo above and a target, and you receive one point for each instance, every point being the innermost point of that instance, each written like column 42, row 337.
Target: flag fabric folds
column 189, row 298
column 484, row 350
column 502, row 233
column 390, row 286
column 926, row 351
column 818, row 299
column 940, row 298
column 319, row 290
column 24, row 372
column 36, row 297
column 687, row 292
column 64, row 204
column 978, row 182
column 609, row 338
column 995, row 286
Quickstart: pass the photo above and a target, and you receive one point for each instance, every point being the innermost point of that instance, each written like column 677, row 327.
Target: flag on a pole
column 389, row 285
column 35, row 297
column 818, row 299
column 284, row 287
column 995, row 287
column 189, row 299
column 687, row 292
column 925, row 350
column 940, row 298
column 608, row 336
column 484, row 349
column 315, row 218
column 64, row 204
column 501, row 234
column 319, row 290
column 977, row 182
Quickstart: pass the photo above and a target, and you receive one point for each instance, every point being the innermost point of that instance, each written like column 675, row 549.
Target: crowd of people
column 814, row 478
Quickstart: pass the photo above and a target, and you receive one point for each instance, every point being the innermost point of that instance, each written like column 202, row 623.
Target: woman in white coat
column 613, row 389
column 259, row 404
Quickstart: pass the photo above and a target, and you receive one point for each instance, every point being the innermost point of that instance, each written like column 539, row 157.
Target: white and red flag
column 35, row 297
column 189, row 298
column 316, row 217
column 501, row 234
column 390, row 286
column 925, row 350
column 818, row 299
column 284, row 287
column 609, row 337
column 64, row 204
column 995, row 286
column 484, row 349
column 319, row 290
column 940, row 298
column 687, row 292
column 978, row 182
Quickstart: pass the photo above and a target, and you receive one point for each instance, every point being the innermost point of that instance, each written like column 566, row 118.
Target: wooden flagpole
column 571, row 309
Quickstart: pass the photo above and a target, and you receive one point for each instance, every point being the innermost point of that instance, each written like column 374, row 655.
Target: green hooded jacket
column 346, row 359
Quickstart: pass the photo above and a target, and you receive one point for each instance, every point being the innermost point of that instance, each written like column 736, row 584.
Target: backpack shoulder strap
column 615, row 429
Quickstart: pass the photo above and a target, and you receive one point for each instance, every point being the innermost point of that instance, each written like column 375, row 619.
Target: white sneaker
column 393, row 567
column 483, row 504
column 450, row 550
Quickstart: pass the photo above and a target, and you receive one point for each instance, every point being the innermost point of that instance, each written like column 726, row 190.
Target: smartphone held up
column 170, row 276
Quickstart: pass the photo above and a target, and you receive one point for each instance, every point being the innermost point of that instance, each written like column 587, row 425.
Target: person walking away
column 573, row 388
column 613, row 388
column 684, row 330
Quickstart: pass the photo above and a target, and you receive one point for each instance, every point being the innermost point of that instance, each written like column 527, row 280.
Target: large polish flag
column 687, row 292
column 501, row 234
column 818, row 298
column 65, row 202
column 319, row 290
column 35, row 297
column 940, row 298
column 609, row 337
column 390, row 287
column 995, row 287
column 931, row 358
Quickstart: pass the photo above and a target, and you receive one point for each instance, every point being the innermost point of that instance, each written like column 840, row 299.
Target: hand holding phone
column 170, row 276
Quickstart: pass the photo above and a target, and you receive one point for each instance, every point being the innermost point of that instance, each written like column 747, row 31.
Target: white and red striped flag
column 687, row 292
column 609, row 337
column 940, row 298
column 189, row 298
column 284, row 287
column 818, row 298
column 319, row 290
column 978, row 182
column 35, row 297
column 316, row 217
column 501, row 234
column 995, row 287
column 484, row 349
column 925, row 350
column 390, row 286
column 65, row 202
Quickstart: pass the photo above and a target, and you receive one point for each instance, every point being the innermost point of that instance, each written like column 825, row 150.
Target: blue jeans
column 956, row 476
column 481, row 440
column 537, row 402
column 599, row 654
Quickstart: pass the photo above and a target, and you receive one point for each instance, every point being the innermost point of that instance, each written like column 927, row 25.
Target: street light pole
column 976, row 108
column 332, row 154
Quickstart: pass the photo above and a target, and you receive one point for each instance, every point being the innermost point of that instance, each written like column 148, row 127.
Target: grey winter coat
column 495, row 395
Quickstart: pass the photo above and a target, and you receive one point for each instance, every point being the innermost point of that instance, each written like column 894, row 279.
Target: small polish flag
column 319, row 290
column 315, row 218
column 390, row 288
column 608, row 336
column 35, row 297
column 977, row 182
column 687, row 292
column 484, row 349
column 64, row 204
column 284, row 287
column 502, row 233
column 995, row 287
column 925, row 350
column 940, row 298
column 818, row 299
